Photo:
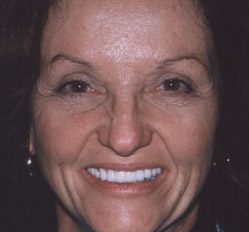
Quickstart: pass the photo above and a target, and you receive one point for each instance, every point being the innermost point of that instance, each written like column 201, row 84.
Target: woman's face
column 124, row 112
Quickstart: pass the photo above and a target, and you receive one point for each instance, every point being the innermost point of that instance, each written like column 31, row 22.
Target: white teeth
column 120, row 177
column 103, row 174
column 147, row 173
column 131, row 177
column 110, row 175
column 124, row 176
column 140, row 175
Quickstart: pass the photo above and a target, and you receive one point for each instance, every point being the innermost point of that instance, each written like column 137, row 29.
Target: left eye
column 175, row 85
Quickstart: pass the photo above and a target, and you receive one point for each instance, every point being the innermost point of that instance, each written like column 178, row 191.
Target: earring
column 227, row 161
column 30, row 165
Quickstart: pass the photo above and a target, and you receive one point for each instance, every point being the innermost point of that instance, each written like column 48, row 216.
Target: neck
column 184, row 224
column 65, row 222
column 187, row 223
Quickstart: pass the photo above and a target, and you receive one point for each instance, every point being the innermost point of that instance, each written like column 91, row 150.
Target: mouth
column 124, row 177
column 125, row 180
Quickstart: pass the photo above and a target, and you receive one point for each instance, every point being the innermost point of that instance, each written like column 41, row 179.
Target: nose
column 126, row 131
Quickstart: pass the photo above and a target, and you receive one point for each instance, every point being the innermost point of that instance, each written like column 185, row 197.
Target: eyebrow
column 62, row 57
column 161, row 65
column 168, row 61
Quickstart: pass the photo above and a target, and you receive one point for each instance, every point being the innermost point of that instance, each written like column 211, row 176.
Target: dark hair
column 226, row 194
column 27, row 204
column 224, row 198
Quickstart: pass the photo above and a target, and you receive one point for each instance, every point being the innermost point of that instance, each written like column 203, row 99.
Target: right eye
column 75, row 86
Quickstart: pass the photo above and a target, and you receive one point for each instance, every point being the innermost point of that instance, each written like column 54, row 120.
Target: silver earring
column 227, row 161
column 30, row 165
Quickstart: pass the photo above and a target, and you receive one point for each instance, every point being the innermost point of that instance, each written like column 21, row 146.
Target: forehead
column 155, row 27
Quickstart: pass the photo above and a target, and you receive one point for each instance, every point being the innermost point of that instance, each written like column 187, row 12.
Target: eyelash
column 175, row 85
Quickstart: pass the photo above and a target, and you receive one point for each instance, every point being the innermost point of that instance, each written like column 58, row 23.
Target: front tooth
column 139, row 175
column 131, row 176
column 103, row 174
column 110, row 175
column 120, row 177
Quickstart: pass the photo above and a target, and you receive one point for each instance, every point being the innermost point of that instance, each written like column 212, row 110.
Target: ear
column 31, row 142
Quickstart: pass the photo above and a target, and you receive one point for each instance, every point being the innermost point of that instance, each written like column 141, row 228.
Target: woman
column 121, row 107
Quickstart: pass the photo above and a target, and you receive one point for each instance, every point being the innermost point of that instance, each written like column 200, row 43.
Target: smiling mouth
column 120, row 177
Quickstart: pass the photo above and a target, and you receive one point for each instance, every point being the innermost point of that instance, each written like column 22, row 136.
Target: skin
column 127, row 116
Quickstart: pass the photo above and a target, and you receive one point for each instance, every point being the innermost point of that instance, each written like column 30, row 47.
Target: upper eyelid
column 188, row 66
column 183, row 60
column 62, row 66
column 80, row 76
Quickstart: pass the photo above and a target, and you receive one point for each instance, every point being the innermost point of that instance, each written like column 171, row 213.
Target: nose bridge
column 126, row 130
column 124, row 107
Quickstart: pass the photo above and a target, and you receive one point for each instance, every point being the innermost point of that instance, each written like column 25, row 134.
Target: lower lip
column 125, row 189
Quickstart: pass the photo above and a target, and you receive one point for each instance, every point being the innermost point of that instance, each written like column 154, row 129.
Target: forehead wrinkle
column 125, row 39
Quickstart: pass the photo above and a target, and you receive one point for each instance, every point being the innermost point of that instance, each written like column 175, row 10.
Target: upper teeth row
column 124, row 176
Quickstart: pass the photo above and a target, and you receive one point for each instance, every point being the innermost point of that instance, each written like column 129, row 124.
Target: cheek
column 187, row 133
column 60, row 135
column 191, row 140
